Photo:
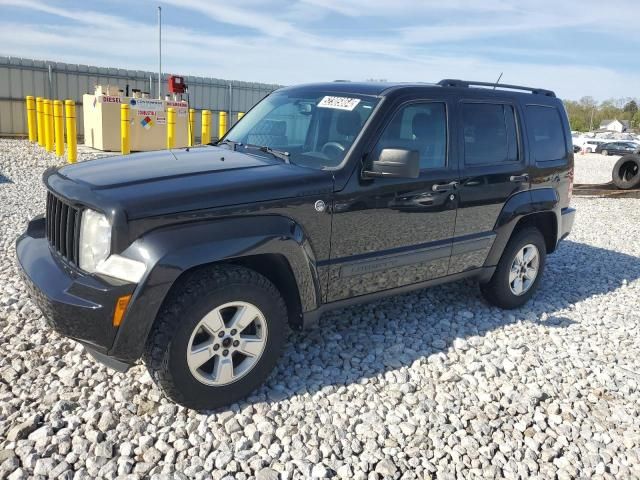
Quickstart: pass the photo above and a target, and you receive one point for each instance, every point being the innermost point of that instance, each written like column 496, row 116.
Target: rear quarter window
column 546, row 133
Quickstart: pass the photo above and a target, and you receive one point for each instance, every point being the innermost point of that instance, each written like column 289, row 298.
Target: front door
column 392, row 232
column 492, row 168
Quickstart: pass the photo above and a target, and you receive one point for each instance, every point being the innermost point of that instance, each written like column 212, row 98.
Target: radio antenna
column 498, row 81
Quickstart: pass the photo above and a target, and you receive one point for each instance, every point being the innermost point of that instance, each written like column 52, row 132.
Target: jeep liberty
column 198, row 260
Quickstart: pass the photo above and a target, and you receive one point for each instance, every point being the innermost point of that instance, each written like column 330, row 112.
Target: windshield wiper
column 231, row 143
column 284, row 156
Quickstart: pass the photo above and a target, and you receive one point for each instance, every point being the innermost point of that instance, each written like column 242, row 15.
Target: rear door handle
column 519, row 178
column 444, row 187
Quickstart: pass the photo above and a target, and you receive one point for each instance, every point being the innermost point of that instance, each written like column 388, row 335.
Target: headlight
column 95, row 240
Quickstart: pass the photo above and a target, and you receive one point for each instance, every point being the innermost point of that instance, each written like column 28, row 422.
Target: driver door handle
column 444, row 187
column 519, row 178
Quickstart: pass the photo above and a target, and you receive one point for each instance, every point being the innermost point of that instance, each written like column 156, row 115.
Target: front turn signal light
column 121, row 306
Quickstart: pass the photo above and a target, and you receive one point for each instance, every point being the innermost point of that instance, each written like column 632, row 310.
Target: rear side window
column 490, row 134
column 546, row 135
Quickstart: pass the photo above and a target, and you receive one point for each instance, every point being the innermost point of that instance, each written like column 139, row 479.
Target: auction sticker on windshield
column 341, row 103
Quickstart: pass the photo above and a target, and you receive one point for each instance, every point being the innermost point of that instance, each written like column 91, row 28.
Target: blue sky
column 576, row 47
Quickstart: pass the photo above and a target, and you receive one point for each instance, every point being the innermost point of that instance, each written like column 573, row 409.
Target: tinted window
column 490, row 134
column 421, row 127
column 546, row 134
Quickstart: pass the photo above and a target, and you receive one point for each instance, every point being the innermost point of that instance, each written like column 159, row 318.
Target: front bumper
column 75, row 304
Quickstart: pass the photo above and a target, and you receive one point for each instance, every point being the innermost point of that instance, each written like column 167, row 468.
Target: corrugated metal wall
column 20, row 77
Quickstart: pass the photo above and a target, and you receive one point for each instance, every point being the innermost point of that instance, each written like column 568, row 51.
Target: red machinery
column 176, row 84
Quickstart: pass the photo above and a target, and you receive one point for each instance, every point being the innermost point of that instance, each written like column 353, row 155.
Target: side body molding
column 168, row 252
column 518, row 206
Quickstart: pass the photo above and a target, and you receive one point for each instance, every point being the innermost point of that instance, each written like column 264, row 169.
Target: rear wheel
column 626, row 172
column 217, row 337
column 519, row 270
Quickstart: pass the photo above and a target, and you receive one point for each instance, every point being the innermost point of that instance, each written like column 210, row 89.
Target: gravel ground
column 593, row 168
column 430, row 384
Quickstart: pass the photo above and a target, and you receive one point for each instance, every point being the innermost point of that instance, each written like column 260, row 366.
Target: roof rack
column 468, row 84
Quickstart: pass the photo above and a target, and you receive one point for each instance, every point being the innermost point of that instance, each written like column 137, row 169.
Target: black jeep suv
column 198, row 260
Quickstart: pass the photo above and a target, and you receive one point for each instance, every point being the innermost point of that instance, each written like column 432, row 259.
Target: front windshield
column 316, row 128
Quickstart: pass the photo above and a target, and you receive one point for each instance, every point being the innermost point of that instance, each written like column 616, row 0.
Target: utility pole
column 159, row 53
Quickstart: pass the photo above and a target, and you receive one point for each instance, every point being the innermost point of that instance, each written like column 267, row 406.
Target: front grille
column 63, row 227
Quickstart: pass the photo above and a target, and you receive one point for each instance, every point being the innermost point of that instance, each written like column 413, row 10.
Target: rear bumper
column 567, row 217
column 76, row 305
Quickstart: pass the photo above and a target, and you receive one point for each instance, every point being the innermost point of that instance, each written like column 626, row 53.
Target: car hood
column 149, row 167
column 164, row 182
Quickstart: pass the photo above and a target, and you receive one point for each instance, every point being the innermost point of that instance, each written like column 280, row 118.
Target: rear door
column 493, row 167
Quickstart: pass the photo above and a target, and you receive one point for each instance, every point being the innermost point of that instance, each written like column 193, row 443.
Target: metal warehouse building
column 20, row 77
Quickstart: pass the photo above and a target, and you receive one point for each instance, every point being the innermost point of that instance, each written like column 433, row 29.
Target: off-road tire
column 202, row 291
column 497, row 291
column 626, row 172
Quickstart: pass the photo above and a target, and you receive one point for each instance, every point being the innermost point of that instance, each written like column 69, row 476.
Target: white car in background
column 589, row 146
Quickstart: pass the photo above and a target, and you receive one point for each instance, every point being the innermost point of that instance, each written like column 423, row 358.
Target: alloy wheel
column 227, row 343
column 524, row 269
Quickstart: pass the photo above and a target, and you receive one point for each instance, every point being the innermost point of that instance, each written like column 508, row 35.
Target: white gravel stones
column 430, row 384
column 593, row 168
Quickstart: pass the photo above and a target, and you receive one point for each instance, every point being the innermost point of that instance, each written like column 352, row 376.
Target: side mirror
column 395, row 163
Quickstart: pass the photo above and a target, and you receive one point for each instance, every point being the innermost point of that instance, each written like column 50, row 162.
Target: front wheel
column 605, row 153
column 519, row 270
column 217, row 337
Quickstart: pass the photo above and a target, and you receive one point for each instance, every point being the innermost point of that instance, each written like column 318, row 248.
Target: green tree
column 631, row 108
column 587, row 114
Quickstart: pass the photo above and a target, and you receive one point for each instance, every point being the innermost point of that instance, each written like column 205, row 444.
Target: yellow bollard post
column 125, row 142
column 58, row 127
column 72, row 141
column 222, row 124
column 31, row 119
column 48, row 131
column 52, row 126
column 171, row 127
column 40, row 120
column 240, row 115
column 192, row 125
column 205, row 137
column 51, row 131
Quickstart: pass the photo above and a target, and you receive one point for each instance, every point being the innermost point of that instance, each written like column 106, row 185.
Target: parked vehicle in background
column 577, row 149
column 617, row 148
column 325, row 195
column 590, row 146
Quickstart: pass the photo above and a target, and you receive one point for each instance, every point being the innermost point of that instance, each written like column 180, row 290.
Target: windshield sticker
column 340, row 103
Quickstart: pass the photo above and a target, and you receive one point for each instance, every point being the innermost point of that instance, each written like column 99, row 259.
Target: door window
column 421, row 127
column 490, row 134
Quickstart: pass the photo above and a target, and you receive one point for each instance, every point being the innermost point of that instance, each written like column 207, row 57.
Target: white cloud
column 399, row 8
column 270, row 45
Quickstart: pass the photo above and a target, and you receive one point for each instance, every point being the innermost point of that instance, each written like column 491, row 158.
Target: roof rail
column 468, row 84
